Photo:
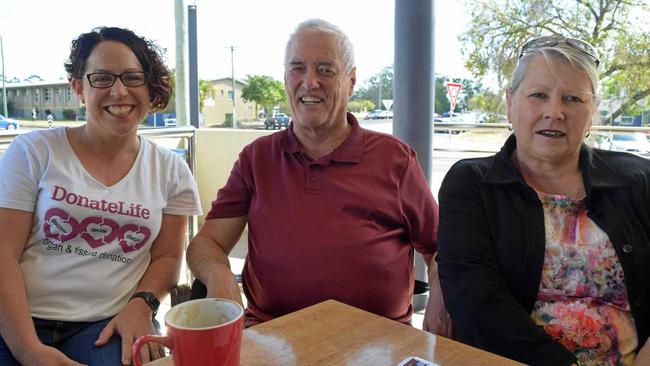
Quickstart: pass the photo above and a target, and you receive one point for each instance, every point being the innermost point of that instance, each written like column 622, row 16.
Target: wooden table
column 332, row 333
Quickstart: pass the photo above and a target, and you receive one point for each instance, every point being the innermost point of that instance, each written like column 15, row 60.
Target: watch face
column 151, row 298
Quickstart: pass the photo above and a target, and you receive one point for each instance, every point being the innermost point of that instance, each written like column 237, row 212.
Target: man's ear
column 353, row 81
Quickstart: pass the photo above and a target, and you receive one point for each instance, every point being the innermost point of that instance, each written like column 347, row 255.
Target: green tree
column 360, row 105
column 10, row 106
column 441, row 102
column 498, row 27
column 205, row 91
column 469, row 90
column 377, row 88
column 371, row 91
column 492, row 104
column 265, row 91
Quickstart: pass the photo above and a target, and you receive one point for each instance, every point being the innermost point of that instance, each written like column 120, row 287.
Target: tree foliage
column 360, row 105
column 470, row 88
column 377, row 87
column 498, row 28
column 370, row 90
column 10, row 106
column 205, row 91
column 265, row 91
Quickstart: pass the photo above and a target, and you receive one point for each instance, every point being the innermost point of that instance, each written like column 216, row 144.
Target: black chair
column 182, row 293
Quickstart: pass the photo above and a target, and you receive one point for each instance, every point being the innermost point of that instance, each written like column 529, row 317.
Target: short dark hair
column 150, row 55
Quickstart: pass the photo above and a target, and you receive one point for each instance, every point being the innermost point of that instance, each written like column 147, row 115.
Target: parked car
column 636, row 143
column 379, row 114
column 277, row 121
column 386, row 114
column 372, row 114
column 455, row 118
column 8, row 123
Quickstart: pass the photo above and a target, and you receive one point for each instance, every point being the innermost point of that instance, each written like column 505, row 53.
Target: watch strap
column 148, row 298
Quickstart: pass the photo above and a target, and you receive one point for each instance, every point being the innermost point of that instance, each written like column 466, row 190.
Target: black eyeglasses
column 107, row 80
column 552, row 41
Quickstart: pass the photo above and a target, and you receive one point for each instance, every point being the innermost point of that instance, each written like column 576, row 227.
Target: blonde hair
column 561, row 51
column 565, row 53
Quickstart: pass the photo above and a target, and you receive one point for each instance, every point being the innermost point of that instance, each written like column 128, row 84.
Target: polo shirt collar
column 349, row 151
column 596, row 172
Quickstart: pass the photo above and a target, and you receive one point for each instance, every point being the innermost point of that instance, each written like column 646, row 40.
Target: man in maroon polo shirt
column 334, row 211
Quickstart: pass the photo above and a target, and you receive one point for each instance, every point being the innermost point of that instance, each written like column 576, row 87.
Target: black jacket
column 491, row 244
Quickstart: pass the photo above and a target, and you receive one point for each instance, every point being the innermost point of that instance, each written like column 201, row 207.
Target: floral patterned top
column 582, row 300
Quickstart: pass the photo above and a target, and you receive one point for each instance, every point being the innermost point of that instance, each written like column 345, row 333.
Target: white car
column 635, row 143
column 379, row 114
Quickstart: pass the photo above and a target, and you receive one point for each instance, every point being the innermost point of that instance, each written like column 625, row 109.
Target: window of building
column 58, row 90
column 69, row 93
column 46, row 94
column 230, row 95
column 221, row 92
column 17, row 92
column 36, row 94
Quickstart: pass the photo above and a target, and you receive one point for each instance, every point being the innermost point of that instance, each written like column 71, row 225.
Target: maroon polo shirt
column 342, row 227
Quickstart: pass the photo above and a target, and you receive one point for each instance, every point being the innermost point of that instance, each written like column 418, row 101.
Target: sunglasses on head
column 552, row 41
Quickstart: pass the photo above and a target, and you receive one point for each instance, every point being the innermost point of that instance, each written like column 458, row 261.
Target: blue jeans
column 76, row 340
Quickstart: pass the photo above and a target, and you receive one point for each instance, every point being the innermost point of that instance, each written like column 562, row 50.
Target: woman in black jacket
column 544, row 248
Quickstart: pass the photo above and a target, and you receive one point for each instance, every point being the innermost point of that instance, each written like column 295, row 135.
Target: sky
column 36, row 34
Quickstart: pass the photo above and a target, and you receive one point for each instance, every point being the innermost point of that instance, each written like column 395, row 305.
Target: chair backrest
column 182, row 293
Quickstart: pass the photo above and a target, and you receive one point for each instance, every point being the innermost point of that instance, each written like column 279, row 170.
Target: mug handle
column 142, row 341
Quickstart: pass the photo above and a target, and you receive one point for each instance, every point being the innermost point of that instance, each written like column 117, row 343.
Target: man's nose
column 310, row 79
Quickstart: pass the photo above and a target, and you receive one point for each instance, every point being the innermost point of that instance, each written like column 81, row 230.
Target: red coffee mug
column 204, row 332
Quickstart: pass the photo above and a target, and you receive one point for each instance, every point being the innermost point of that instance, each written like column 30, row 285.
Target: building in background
column 41, row 96
column 218, row 109
column 59, row 98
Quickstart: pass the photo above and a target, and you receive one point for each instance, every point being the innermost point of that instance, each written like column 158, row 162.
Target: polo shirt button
column 627, row 249
column 312, row 179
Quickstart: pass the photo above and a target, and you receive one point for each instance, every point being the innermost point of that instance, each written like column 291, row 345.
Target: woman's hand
column 643, row 357
column 46, row 356
column 132, row 322
column 436, row 317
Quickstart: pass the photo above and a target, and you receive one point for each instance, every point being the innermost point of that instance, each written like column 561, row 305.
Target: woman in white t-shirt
column 94, row 217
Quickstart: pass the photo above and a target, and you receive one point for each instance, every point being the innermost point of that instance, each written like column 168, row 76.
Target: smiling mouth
column 551, row 133
column 310, row 100
column 119, row 110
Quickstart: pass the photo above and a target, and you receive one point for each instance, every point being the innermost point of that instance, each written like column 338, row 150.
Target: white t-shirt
column 89, row 244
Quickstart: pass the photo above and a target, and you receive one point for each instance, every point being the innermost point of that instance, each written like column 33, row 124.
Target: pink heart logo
column 97, row 231
column 60, row 225
column 133, row 237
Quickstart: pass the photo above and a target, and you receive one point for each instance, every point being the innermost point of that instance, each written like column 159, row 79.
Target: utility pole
column 193, row 67
column 234, row 94
column 381, row 82
column 182, row 65
column 4, row 88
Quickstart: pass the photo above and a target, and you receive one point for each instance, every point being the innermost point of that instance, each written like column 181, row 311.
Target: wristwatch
column 149, row 298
